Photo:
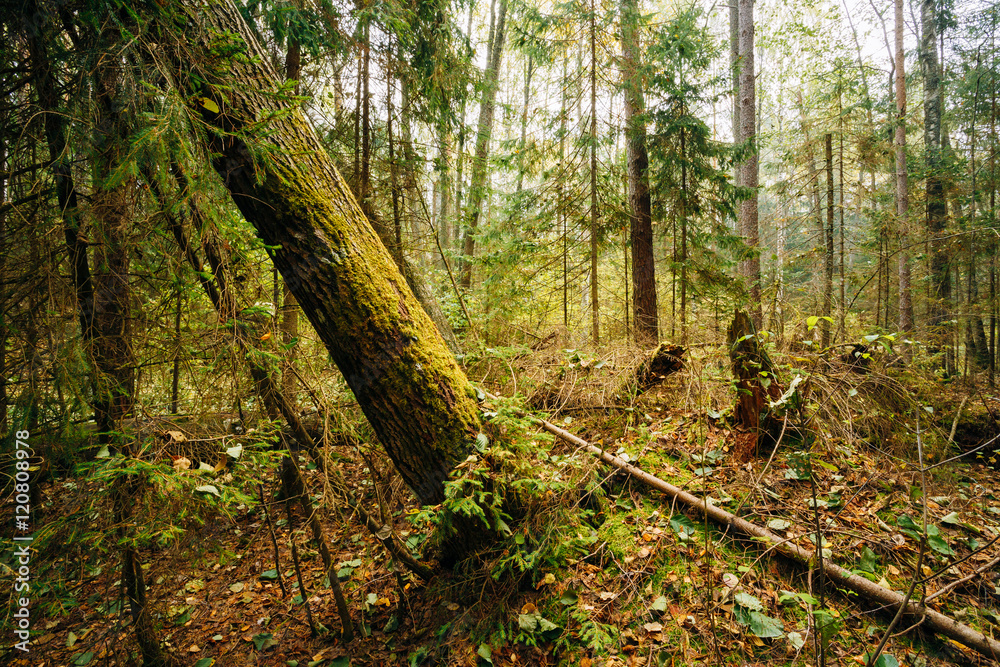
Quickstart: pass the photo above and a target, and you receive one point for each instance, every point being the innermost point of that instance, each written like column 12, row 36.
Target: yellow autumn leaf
column 208, row 104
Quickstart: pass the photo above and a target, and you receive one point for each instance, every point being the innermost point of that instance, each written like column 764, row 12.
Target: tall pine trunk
column 828, row 238
column 595, row 307
column 902, row 189
column 640, row 208
column 935, row 198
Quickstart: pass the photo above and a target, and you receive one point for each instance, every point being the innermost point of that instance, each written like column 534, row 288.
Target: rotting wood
column 890, row 600
column 756, row 385
column 665, row 360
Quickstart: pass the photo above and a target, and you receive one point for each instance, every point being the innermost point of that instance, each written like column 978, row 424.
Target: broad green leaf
column 868, row 560
column 485, row 653
column 208, row 488
column 779, row 524
column 748, row 601
column 682, row 525
column 527, row 622
column 940, row 545
column 659, row 604
column 263, row 641
column 759, row 624
column 545, row 625
column 269, row 574
column 205, row 662
column 951, row 519
column 82, row 658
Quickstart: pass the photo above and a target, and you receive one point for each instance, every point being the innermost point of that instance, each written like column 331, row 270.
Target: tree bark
column 418, row 401
column 646, row 327
column 595, row 306
column 289, row 307
column 734, row 68
column 935, row 200
column 480, row 163
column 114, row 207
column 902, row 190
column 521, row 166
column 749, row 266
column 828, row 238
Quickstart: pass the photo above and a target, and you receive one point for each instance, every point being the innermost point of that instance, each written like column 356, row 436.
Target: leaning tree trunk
column 419, row 402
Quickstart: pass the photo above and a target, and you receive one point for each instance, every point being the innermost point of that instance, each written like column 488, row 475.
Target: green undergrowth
column 642, row 577
column 172, row 506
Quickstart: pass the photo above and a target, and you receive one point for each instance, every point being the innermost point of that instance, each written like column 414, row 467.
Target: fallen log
column 890, row 600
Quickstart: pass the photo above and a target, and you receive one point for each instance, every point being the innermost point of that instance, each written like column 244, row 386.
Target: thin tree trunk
column 176, row 374
column 114, row 208
column 646, row 326
column 842, row 307
column 993, row 244
column 289, row 308
column 444, row 187
column 750, row 263
column 365, row 187
column 521, row 166
column 828, row 255
column 734, row 68
column 480, row 164
column 396, row 248
column 817, row 205
column 460, row 158
column 561, row 203
column 595, row 307
column 684, row 250
column 4, row 332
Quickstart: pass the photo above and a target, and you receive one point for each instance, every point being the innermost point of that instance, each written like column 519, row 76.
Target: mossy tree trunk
column 419, row 402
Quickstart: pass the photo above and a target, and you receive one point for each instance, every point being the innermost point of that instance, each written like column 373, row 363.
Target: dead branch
column 843, row 578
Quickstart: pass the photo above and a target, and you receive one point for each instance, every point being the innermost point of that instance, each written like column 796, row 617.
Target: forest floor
column 654, row 586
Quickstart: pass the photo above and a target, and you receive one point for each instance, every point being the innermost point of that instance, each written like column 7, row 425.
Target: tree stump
column 756, row 385
column 665, row 360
